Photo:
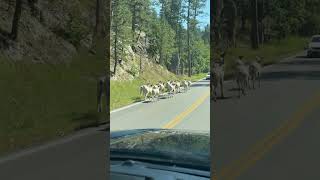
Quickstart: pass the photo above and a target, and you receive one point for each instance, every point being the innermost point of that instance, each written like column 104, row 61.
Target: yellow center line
column 175, row 121
column 265, row 145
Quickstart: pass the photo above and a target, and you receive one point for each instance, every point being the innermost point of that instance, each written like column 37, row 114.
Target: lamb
column 255, row 71
column 218, row 77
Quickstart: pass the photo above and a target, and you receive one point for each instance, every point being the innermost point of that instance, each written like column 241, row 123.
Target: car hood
column 176, row 146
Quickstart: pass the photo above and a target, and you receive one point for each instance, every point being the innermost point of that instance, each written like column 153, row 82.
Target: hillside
column 52, row 35
column 48, row 85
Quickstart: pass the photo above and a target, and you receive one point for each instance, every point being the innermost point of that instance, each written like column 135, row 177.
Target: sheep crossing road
column 273, row 132
column 185, row 110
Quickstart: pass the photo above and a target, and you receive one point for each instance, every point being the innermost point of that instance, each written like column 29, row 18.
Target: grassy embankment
column 41, row 102
column 272, row 52
column 127, row 92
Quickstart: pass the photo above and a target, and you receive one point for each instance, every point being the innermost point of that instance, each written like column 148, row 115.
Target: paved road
column 81, row 156
column 190, row 110
column 273, row 132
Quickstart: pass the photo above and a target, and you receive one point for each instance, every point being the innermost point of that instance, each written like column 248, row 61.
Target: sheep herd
column 170, row 88
column 245, row 75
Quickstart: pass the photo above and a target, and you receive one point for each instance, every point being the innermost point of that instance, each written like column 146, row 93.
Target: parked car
column 208, row 76
column 160, row 154
column 314, row 46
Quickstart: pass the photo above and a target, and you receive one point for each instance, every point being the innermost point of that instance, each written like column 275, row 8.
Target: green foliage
column 165, row 32
column 311, row 26
column 201, row 56
column 75, row 31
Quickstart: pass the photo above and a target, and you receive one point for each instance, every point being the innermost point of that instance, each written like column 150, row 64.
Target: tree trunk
column 188, row 39
column 16, row 19
column 115, row 51
column 140, row 64
column 133, row 25
column 107, row 49
column 99, row 31
column 34, row 9
column 260, row 21
column 254, row 25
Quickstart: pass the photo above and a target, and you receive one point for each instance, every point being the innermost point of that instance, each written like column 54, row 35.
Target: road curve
column 272, row 133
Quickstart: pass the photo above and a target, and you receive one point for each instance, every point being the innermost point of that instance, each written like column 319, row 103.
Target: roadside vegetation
column 48, row 77
column 271, row 29
column 40, row 102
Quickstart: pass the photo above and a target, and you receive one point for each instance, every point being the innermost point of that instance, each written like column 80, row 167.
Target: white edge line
column 137, row 103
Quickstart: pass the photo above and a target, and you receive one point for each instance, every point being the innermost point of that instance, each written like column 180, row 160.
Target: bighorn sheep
column 155, row 92
column 161, row 86
column 102, row 87
column 242, row 76
column 145, row 90
column 255, row 71
column 218, row 76
column 185, row 85
column 171, row 88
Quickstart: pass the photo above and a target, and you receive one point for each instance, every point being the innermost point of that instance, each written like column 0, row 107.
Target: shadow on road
column 302, row 62
column 200, row 85
column 306, row 75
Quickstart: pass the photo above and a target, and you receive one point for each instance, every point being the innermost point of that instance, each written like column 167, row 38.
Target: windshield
column 153, row 86
column 183, row 148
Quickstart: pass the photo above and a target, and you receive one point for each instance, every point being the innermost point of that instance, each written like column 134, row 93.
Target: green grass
column 127, row 92
column 40, row 102
column 272, row 52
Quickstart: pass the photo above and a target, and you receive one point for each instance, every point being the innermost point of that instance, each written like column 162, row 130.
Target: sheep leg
column 239, row 89
column 221, row 88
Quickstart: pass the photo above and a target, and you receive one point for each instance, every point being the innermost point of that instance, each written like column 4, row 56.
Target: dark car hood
column 173, row 145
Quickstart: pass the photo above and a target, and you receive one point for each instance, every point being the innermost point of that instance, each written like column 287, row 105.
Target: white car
column 208, row 76
column 314, row 46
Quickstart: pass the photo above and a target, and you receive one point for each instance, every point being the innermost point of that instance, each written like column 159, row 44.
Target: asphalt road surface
column 188, row 110
column 273, row 132
column 81, row 156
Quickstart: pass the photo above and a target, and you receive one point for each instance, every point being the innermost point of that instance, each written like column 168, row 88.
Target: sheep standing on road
column 242, row 76
column 218, row 76
column 185, row 85
column 171, row 88
column 189, row 83
column 255, row 71
column 102, row 87
column 145, row 90
column 178, row 86
column 155, row 92
column 161, row 86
